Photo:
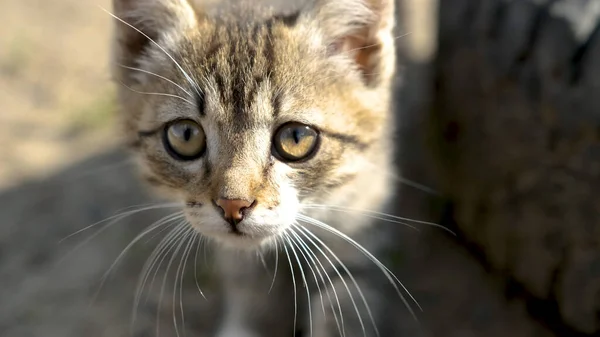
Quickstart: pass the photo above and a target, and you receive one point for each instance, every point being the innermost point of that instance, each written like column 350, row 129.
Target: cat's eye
column 184, row 140
column 295, row 141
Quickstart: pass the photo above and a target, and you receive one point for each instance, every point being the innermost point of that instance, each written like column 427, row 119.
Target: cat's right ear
column 139, row 22
column 362, row 30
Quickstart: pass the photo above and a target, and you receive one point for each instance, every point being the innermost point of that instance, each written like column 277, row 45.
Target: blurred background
column 499, row 114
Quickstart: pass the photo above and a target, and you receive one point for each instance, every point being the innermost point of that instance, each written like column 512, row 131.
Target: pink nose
column 234, row 209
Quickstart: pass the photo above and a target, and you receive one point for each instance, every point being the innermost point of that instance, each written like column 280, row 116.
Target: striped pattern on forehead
column 240, row 61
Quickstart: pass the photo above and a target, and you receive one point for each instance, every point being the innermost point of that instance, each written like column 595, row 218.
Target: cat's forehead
column 238, row 66
column 247, row 70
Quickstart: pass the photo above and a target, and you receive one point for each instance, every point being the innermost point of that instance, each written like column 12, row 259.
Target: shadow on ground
column 52, row 289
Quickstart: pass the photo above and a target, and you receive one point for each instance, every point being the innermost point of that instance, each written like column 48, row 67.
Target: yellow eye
column 185, row 140
column 295, row 141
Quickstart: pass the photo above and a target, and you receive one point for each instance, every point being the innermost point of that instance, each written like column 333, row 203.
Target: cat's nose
column 234, row 210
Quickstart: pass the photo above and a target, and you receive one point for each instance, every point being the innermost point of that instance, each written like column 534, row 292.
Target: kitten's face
column 244, row 121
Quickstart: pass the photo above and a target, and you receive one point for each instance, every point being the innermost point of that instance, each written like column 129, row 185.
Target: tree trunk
column 515, row 126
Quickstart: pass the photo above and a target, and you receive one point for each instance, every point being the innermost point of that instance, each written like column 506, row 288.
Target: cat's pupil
column 187, row 134
column 296, row 135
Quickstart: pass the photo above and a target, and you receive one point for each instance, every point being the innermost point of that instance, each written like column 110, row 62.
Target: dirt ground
column 55, row 90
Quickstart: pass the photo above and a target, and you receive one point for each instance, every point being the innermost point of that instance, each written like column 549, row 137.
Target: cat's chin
column 241, row 242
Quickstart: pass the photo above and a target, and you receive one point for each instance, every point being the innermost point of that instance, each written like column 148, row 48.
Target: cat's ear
column 139, row 22
column 360, row 29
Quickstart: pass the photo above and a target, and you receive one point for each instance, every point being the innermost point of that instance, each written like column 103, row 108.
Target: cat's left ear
column 360, row 29
column 139, row 22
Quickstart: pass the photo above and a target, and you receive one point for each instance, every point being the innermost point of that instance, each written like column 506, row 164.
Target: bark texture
column 516, row 128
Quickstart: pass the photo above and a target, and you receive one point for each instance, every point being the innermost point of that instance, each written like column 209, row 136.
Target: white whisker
column 389, row 275
column 149, row 265
column 179, row 275
column 185, row 74
column 378, row 215
column 159, row 76
column 375, row 44
column 165, row 228
column 159, row 94
column 171, row 242
column 164, row 280
column 164, row 252
column 121, row 215
column 154, row 226
column 317, row 263
column 306, row 231
column 151, row 228
column 296, row 243
column 287, row 254
column 417, row 186
column 333, row 208
column 276, row 265
column 291, row 241
column 196, row 264
column 403, row 180
column 261, row 257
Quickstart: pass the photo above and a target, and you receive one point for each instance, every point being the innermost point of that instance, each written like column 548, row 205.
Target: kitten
column 269, row 128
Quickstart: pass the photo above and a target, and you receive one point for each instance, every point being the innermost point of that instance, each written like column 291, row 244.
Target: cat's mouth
column 236, row 239
column 236, row 232
column 251, row 232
